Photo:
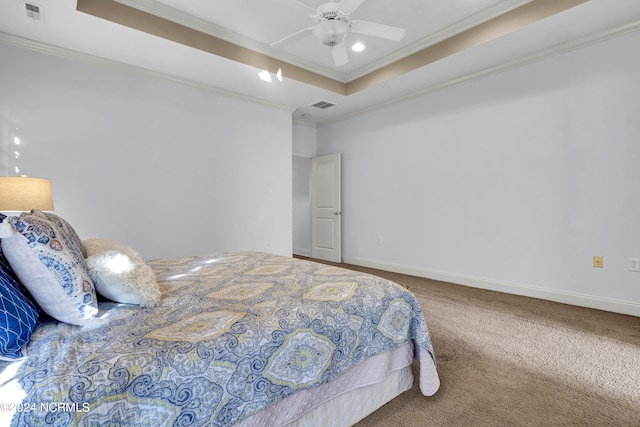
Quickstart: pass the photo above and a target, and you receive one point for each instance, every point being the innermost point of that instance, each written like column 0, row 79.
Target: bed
column 242, row 338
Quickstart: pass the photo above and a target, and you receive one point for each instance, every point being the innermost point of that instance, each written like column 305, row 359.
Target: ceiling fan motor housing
column 331, row 32
column 332, row 25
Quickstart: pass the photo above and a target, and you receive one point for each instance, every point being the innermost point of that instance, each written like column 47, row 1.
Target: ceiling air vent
column 33, row 11
column 323, row 104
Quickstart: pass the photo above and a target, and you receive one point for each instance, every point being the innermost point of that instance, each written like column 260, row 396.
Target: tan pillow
column 120, row 274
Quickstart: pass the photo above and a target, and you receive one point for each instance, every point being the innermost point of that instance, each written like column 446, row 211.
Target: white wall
column 304, row 147
column 301, row 206
column 305, row 140
column 512, row 182
column 169, row 169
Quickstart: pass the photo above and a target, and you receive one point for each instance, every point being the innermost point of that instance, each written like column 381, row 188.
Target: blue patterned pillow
column 18, row 314
column 51, row 267
column 69, row 232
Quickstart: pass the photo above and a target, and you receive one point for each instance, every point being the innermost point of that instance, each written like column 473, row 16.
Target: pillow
column 120, row 274
column 69, row 232
column 18, row 314
column 51, row 267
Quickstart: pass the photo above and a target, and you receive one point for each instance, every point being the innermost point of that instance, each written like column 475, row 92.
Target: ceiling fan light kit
column 331, row 32
column 333, row 24
column 358, row 47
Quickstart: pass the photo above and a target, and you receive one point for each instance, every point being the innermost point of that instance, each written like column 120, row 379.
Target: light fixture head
column 265, row 76
column 358, row 47
column 331, row 31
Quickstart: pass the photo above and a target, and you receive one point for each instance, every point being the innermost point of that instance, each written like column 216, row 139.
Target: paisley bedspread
column 235, row 332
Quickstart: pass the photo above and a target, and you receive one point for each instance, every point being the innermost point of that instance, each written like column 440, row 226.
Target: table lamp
column 21, row 193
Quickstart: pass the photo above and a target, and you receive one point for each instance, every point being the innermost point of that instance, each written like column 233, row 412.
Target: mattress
column 348, row 398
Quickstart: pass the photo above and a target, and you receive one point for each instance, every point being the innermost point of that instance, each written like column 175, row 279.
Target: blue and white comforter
column 235, row 333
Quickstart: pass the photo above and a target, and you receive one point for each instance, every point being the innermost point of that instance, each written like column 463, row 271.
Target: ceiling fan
column 333, row 23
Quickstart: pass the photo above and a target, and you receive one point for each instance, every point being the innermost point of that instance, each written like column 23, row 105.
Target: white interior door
column 326, row 215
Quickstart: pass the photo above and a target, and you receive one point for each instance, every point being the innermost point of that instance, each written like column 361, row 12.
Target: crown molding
column 131, row 17
column 304, row 123
column 449, row 31
column 536, row 56
column 109, row 63
column 175, row 15
column 518, row 62
column 521, row 13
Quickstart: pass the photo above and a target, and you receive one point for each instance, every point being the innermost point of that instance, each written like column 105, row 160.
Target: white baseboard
column 581, row 300
column 302, row 252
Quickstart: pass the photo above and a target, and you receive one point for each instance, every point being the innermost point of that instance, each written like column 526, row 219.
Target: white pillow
column 120, row 274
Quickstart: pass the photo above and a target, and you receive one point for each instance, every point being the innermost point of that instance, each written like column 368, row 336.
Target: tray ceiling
column 225, row 45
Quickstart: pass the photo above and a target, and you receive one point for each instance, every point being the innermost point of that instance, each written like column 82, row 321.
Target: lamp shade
column 21, row 193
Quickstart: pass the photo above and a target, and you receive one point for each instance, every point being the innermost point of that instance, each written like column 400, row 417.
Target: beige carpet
column 506, row 360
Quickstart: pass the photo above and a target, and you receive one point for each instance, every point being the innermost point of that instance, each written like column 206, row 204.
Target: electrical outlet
column 380, row 240
column 268, row 241
column 597, row 262
column 634, row 264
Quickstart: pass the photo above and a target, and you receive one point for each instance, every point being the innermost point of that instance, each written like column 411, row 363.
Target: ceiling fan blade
column 348, row 6
column 377, row 30
column 339, row 52
column 292, row 37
